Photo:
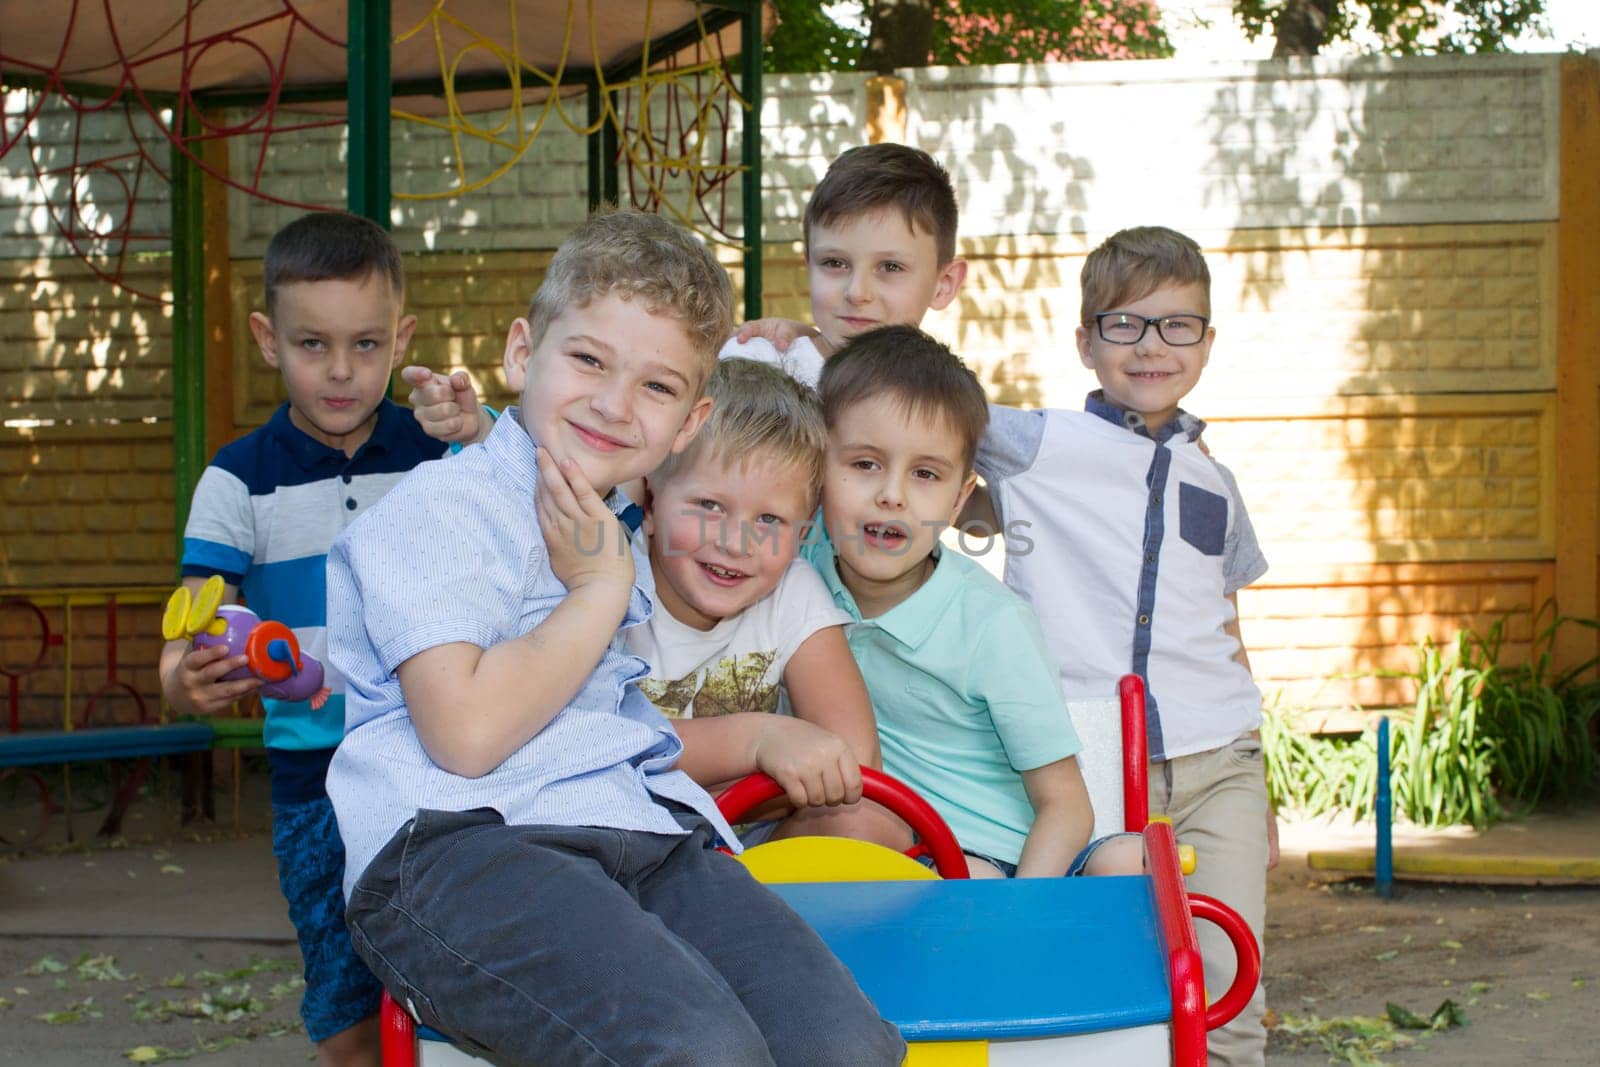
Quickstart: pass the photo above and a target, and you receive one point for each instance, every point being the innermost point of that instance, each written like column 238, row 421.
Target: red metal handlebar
column 1135, row 755
column 1245, row 951
column 878, row 787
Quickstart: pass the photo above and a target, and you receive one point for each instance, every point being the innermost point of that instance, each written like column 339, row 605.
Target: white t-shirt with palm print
column 738, row 664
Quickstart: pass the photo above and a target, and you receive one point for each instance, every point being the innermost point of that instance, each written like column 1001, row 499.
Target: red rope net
column 100, row 139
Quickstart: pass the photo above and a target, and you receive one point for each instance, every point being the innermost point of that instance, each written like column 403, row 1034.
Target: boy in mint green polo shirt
column 968, row 699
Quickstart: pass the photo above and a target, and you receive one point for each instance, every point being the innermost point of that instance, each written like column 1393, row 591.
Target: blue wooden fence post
column 1384, row 862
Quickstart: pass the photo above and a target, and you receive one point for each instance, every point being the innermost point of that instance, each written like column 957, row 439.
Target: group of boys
column 628, row 597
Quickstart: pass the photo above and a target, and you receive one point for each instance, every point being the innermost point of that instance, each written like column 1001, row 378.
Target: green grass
column 1479, row 738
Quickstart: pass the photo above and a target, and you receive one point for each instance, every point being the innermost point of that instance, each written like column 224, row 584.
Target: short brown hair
column 634, row 255
column 1131, row 264
column 919, row 372
column 760, row 414
column 876, row 176
column 330, row 246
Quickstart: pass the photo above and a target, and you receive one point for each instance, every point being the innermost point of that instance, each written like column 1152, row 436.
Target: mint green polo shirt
column 967, row 696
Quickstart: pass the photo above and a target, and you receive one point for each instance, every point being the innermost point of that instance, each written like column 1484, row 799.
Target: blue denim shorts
column 1075, row 868
column 340, row 991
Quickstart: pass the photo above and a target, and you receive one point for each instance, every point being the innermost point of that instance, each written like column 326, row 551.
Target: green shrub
column 1478, row 736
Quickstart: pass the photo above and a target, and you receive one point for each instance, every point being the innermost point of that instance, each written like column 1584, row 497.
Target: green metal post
column 368, row 67
column 750, row 47
column 608, row 156
column 188, row 324
column 591, row 93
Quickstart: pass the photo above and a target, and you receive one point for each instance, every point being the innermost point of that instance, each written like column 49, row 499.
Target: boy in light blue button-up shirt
column 526, row 870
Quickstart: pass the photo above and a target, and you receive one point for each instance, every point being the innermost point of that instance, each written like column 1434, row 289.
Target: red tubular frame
column 397, row 1040
column 1135, row 757
column 1245, row 951
column 931, row 831
column 1178, row 941
column 1177, row 909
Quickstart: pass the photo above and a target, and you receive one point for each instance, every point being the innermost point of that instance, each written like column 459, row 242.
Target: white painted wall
column 1082, row 148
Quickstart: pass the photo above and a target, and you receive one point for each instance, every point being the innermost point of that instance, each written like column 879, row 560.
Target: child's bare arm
column 473, row 707
column 446, row 407
column 978, row 517
column 825, row 687
column 814, row 767
column 1062, row 819
column 781, row 332
column 191, row 679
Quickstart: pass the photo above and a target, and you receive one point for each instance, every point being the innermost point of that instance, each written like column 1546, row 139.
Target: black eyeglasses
column 1123, row 328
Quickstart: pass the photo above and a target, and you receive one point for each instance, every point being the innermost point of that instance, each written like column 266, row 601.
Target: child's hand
column 447, row 408
column 587, row 544
column 196, row 687
column 781, row 332
column 814, row 767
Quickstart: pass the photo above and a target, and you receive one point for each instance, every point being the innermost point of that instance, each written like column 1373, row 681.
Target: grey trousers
column 584, row 945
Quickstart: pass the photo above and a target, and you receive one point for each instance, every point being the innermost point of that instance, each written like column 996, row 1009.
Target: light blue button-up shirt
column 454, row 553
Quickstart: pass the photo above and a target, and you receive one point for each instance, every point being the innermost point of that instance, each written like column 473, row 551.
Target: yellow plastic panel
column 830, row 859
column 947, row 1053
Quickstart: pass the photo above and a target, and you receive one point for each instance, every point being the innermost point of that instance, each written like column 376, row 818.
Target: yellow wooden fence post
column 886, row 110
column 1577, row 458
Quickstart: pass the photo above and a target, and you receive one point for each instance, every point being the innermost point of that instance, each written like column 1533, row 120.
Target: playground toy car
column 272, row 650
column 1018, row 972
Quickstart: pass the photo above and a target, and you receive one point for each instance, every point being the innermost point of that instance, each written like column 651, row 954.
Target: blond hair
column 760, row 413
column 1131, row 264
column 632, row 255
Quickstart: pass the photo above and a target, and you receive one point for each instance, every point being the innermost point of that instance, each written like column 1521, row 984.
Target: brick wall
column 60, row 649
column 74, row 348
column 86, row 505
column 1385, row 238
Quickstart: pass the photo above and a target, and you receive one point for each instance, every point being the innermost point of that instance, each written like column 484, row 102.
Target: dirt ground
column 1521, row 963
column 154, row 952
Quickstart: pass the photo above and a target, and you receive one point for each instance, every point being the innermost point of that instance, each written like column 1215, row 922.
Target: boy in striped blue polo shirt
column 263, row 516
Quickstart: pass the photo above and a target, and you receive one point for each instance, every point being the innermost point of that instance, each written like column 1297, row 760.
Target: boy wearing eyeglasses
column 1140, row 542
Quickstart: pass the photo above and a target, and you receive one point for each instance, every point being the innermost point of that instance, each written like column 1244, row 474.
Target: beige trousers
column 1217, row 801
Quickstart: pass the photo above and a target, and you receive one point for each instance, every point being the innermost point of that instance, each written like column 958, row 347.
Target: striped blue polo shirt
column 264, row 514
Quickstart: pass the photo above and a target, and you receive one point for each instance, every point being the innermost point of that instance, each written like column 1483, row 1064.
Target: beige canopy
column 249, row 46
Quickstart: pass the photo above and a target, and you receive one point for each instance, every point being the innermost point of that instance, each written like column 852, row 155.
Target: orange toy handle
column 262, row 665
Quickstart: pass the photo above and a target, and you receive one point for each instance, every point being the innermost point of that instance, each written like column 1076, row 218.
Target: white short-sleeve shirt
column 1128, row 545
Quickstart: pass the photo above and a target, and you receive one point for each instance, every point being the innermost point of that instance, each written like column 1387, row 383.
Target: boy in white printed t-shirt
column 747, row 629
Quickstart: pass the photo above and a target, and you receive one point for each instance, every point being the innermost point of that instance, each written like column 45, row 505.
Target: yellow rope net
column 684, row 173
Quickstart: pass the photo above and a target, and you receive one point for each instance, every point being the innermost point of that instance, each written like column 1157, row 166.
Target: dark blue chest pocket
column 1202, row 518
